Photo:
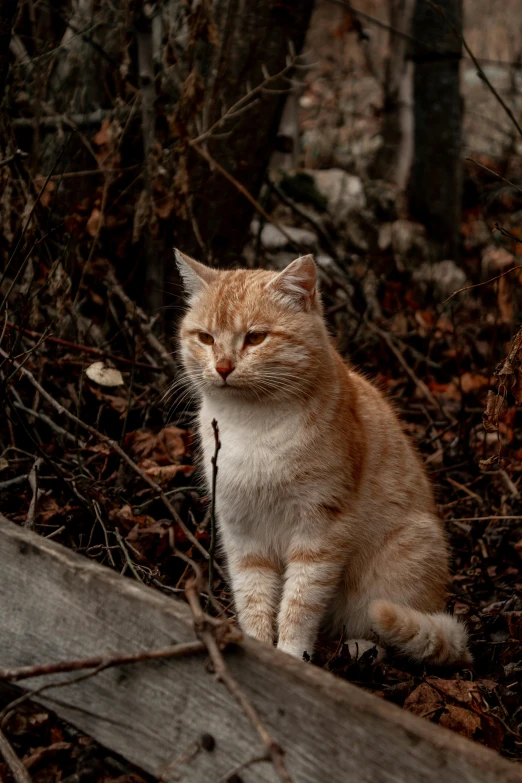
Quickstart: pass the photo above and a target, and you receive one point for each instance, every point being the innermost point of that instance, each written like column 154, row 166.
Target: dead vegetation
column 96, row 445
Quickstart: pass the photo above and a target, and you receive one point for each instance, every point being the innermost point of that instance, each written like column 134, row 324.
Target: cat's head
column 252, row 333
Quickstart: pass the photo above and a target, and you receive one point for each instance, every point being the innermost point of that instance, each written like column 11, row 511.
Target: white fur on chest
column 259, row 455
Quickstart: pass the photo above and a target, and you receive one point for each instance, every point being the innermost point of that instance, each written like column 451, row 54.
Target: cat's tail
column 435, row 638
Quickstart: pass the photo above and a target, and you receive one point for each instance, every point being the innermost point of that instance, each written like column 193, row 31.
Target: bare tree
column 173, row 72
column 393, row 160
column 436, row 176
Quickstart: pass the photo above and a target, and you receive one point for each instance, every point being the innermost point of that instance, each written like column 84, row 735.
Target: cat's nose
column 224, row 368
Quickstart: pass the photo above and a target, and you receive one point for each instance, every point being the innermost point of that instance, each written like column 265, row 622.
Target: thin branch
column 83, row 348
column 180, row 650
column 207, row 629
column 33, row 483
column 491, row 279
column 241, row 188
column 117, row 448
column 498, row 176
column 144, row 325
column 477, row 65
column 18, row 770
column 50, row 423
column 16, row 155
column 242, row 104
column 212, row 549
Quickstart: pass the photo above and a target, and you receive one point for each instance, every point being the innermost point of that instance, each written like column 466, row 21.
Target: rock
column 446, row 276
column 344, row 193
column 409, row 244
column 496, row 259
column 273, row 239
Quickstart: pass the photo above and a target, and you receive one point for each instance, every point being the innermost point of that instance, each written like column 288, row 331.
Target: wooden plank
column 56, row 605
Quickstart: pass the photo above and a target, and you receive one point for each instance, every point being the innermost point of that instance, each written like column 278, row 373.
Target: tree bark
column 435, row 186
column 393, row 160
column 254, row 36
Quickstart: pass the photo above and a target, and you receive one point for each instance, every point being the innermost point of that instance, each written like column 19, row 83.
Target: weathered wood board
column 56, row 605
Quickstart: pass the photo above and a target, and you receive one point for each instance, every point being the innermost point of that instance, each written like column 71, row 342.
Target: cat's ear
column 298, row 282
column 196, row 277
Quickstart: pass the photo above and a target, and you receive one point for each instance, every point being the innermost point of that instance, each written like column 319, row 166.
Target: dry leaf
column 471, row 382
column 94, row 222
column 165, row 473
column 165, row 447
column 458, row 705
column 103, row 375
column 495, row 407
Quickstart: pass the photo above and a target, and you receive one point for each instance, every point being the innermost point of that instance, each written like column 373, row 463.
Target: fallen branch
column 206, row 630
column 19, row 772
column 106, row 661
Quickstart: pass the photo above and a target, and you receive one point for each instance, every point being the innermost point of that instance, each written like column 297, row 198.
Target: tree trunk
column 436, row 176
column 254, row 39
column 393, row 160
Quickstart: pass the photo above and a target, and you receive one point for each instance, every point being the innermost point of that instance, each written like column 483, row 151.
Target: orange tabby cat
column 325, row 513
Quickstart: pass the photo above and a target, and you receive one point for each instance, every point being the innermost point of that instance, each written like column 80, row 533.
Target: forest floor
column 436, row 362
column 434, row 356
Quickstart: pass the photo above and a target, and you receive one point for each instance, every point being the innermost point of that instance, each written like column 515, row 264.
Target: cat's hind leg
column 399, row 594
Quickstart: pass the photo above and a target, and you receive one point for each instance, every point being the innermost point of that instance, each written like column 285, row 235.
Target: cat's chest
column 258, row 451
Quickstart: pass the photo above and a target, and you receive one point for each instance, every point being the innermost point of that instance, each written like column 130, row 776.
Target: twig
column 498, row 176
column 477, row 65
column 206, row 628
column 327, row 242
column 486, row 282
column 17, row 768
column 241, row 104
column 14, row 156
column 136, row 313
column 14, row 482
column 33, row 483
column 465, row 489
column 421, row 386
column 241, row 188
column 83, row 348
column 128, row 558
column 117, row 448
column 212, row 550
column 50, row 423
column 106, row 661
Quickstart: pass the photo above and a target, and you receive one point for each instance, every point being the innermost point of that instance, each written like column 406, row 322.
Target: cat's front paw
column 297, row 650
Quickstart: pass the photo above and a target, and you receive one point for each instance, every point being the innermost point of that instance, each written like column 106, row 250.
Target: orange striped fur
column 325, row 513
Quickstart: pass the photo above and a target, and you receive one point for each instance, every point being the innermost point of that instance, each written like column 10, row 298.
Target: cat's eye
column 206, row 338
column 255, row 338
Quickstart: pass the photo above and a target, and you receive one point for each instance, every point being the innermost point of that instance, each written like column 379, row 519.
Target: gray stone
column 344, row 192
column 273, row 239
column 445, row 276
column 409, row 244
